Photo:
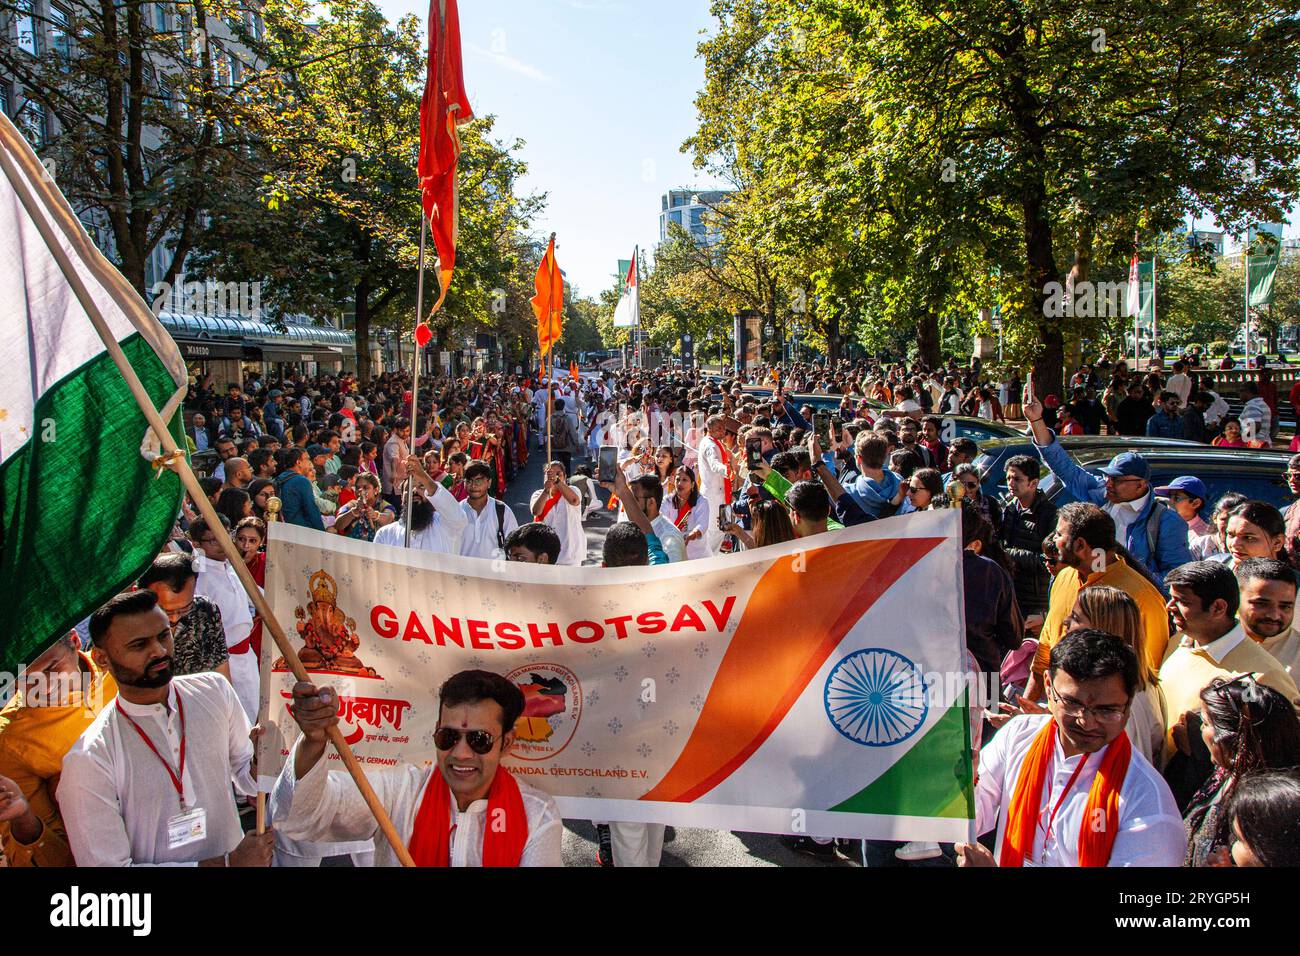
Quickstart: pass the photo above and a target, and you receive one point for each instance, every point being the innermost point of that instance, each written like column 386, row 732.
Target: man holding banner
column 462, row 811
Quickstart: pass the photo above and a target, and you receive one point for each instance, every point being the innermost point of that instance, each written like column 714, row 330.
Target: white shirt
column 443, row 533
column 670, row 539
column 116, row 797
column 712, row 473
column 1256, row 410
column 480, row 538
column 1218, row 408
column 1124, row 514
column 1180, row 385
column 1151, row 831
column 700, row 516
column 1286, row 648
column 218, row 582
column 565, row 520
column 325, row 805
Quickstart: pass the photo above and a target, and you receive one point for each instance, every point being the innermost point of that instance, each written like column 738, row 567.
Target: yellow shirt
column 33, row 741
column 1190, row 667
column 1150, row 603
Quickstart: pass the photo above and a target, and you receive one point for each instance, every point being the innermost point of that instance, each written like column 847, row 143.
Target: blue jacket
column 1161, row 425
column 1171, row 540
column 297, row 502
column 864, row 498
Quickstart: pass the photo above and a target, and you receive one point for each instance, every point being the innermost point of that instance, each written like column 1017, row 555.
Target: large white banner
column 812, row 687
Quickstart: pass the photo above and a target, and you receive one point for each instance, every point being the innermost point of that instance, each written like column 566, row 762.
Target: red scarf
column 726, row 460
column 430, row 843
column 551, row 502
column 1025, row 810
column 683, row 516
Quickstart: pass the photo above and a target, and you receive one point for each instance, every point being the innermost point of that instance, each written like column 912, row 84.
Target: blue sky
column 602, row 92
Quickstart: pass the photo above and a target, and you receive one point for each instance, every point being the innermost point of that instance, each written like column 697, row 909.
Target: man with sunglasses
column 465, row 810
column 1067, row 788
column 1153, row 533
column 198, row 638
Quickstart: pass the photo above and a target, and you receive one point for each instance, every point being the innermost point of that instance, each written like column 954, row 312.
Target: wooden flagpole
column 177, row 461
column 415, row 375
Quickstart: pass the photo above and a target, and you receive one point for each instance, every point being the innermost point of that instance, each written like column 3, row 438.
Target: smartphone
column 753, row 452
column 822, row 425
column 724, row 517
column 607, row 462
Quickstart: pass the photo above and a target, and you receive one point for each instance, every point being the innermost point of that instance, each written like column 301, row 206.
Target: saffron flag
column 573, row 371
column 627, row 314
column 443, row 107
column 81, row 514
column 548, row 303
column 815, row 686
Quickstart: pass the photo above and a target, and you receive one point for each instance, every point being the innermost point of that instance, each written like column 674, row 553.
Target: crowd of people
column 1139, row 641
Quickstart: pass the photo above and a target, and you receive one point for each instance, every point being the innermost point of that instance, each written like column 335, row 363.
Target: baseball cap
column 314, row 450
column 1187, row 483
column 275, row 393
column 1127, row 465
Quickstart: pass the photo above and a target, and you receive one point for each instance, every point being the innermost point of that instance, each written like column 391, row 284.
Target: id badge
column 187, row 827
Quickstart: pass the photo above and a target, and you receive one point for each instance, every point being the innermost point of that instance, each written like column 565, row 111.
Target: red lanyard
column 1083, row 759
column 178, row 779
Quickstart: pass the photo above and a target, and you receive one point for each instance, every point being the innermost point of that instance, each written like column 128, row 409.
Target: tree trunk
column 833, row 337
column 1040, row 271
column 361, row 305
column 928, row 338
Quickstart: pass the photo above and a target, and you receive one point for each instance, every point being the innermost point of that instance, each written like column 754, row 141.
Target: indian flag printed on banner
column 815, row 686
column 82, row 512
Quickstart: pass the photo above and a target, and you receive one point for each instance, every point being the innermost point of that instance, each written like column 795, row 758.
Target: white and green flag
column 81, row 513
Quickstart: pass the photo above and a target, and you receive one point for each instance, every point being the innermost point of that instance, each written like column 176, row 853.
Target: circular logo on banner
column 876, row 697
column 552, row 710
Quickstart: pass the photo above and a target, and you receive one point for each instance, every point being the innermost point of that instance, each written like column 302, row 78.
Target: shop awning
column 207, row 349
column 276, row 353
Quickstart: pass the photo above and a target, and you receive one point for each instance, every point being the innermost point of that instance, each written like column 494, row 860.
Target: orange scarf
column 726, row 460
column 502, row 846
column 1026, row 802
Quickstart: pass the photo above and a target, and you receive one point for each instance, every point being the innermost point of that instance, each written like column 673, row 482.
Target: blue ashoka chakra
column 876, row 697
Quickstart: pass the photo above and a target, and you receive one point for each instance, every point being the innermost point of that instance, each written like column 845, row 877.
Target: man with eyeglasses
column 465, row 810
column 198, row 637
column 1292, row 512
column 488, row 521
column 1153, row 533
column 1067, row 788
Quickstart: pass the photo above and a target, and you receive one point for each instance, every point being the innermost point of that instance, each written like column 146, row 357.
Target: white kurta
column 443, row 533
column 218, row 582
column 480, row 539
column 566, row 521
column 701, row 515
column 116, row 797
column 1151, row 831
column 712, row 475
column 325, row 805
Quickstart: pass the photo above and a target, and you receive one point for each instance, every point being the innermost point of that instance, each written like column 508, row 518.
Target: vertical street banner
column 816, row 686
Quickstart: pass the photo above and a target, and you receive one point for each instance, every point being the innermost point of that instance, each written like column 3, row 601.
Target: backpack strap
column 501, row 523
column 1158, row 510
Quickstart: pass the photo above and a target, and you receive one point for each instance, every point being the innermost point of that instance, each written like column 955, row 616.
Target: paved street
column 691, row 847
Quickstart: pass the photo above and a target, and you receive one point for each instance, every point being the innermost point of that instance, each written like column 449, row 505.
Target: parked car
column 1256, row 473
column 978, row 429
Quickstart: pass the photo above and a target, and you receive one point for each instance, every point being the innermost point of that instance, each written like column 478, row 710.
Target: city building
column 689, row 208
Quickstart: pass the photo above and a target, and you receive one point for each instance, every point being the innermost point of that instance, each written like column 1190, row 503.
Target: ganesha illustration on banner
column 329, row 636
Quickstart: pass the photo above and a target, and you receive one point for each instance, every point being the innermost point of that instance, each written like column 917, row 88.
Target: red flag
column 444, row 106
column 548, row 303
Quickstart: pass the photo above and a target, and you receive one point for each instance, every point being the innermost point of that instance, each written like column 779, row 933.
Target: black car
column 1256, row 473
column 977, row 429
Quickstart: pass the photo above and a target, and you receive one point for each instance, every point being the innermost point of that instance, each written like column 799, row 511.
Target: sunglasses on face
column 480, row 741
